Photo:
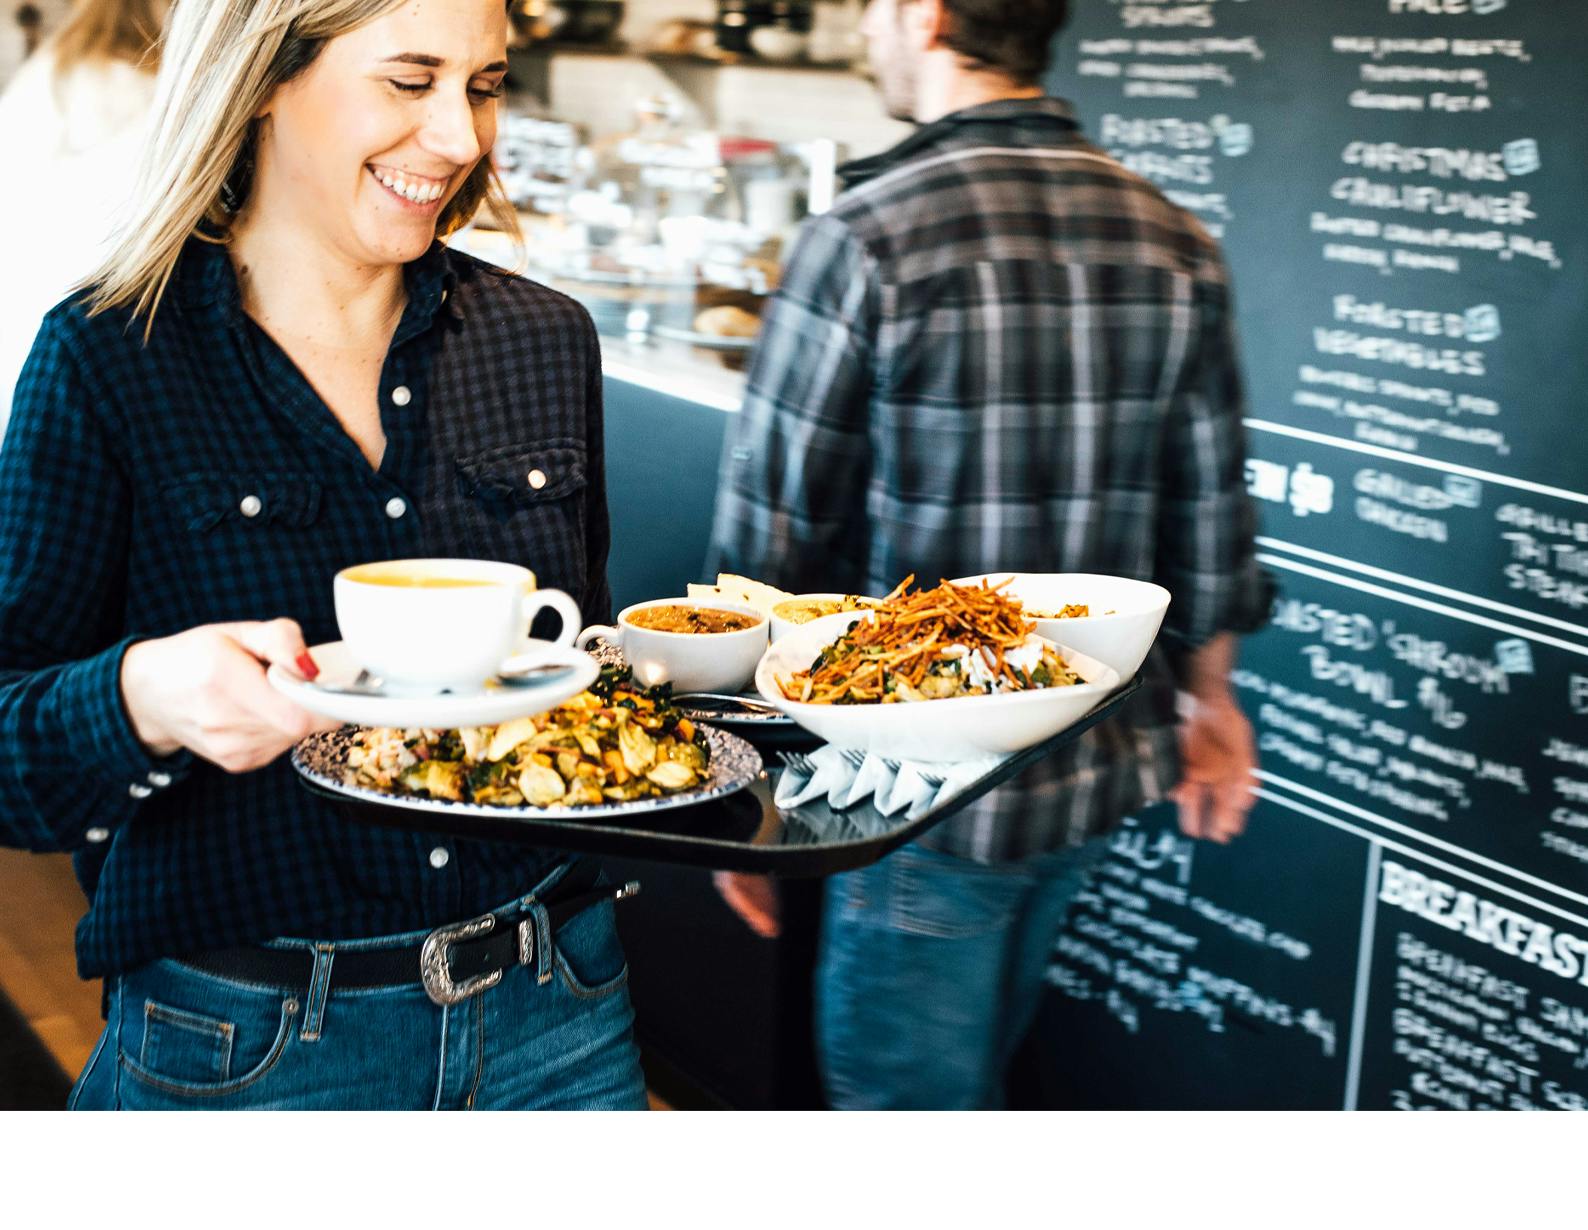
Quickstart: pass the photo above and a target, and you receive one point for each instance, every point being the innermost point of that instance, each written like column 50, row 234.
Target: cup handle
column 560, row 602
column 596, row 632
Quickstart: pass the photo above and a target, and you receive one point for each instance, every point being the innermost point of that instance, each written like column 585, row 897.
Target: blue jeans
column 553, row 1035
column 930, row 973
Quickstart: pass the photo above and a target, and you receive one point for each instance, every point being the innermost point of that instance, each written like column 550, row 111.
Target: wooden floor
column 40, row 904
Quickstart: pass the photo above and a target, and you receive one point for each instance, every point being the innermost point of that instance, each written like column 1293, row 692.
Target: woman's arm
column 95, row 718
column 69, row 758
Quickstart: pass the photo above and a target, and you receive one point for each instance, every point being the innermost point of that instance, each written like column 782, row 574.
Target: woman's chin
column 400, row 245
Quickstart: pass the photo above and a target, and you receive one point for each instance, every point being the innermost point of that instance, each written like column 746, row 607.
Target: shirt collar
column 1025, row 116
column 207, row 279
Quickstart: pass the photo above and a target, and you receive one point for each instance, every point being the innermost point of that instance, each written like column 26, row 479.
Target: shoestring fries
column 954, row 640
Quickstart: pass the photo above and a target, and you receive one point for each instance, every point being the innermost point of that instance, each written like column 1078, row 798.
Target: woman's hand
column 205, row 690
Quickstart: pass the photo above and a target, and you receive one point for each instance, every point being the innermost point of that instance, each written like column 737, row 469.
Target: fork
column 798, row 762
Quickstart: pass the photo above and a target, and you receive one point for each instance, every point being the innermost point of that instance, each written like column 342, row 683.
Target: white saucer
column 483, row 705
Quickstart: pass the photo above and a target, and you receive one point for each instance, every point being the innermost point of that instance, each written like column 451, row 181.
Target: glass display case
column 668, row 230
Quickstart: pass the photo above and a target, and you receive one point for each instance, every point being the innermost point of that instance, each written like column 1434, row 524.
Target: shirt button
column 396, row 507
column 401, row 396
column 250, row 506
column 159, row 780
column 439, row 857
column 97, row 835
column 537, row 479
column 139, row 791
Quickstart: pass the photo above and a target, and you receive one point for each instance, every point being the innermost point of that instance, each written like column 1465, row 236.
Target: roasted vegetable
column 614, row 743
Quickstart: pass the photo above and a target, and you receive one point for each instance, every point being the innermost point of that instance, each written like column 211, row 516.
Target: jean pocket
column 588, row 954
column 934, row 895
column 185, row 1045
column 188, row 1035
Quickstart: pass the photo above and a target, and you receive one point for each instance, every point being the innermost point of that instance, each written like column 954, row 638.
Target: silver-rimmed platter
column 321, row 760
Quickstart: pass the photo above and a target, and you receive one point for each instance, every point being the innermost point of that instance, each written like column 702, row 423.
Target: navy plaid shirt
column 122, row 486
column 1000, row 350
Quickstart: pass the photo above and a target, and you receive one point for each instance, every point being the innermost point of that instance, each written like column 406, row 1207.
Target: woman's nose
column 449, row 131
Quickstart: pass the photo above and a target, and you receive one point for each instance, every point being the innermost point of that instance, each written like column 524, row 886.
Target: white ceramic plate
column 934, row 731
column 1120, row 639
column 484, row 705
column 322, row 759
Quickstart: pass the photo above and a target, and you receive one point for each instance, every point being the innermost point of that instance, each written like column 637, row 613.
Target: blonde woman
column 277, row 373
column 72, row 117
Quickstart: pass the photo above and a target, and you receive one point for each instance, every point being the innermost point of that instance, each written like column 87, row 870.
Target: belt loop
column 319, row 988
column 542, row 921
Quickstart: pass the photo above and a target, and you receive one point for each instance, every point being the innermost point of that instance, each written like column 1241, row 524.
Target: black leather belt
column 453, row 962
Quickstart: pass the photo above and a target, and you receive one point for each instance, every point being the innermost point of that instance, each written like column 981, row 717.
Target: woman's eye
column 486, row 93
column 411, row 87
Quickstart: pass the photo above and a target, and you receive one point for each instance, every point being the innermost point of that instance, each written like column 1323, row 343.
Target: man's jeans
column 554, row 1034
column 931, row 972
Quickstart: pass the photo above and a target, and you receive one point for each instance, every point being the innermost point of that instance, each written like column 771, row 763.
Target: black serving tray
column 741, row 832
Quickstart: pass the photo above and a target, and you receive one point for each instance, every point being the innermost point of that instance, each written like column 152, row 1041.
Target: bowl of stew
column 697, row 646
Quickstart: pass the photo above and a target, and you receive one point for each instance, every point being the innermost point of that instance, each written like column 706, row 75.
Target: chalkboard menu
column 1401, row 188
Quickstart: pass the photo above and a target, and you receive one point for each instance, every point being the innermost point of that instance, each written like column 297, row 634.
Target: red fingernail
column 305, row 665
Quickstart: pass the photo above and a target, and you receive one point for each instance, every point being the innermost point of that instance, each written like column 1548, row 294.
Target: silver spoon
column 366, row 684
column 529, row 676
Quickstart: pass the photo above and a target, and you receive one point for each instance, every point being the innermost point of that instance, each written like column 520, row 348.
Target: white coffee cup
column 690, row 661
column 431, row 624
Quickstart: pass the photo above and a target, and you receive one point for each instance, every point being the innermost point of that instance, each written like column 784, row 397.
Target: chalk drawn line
column 1390, row 454
column 1439, row 608
column 1385, row 574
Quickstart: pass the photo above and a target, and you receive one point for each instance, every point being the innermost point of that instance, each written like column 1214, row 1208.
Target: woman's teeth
column 417, row 191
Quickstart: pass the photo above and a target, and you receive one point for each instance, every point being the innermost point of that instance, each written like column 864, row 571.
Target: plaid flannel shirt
column 1000, row 350
column 124, row 515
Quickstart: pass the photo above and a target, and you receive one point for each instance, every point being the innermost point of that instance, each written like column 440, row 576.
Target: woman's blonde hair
column 108, row 30
column 221, row 60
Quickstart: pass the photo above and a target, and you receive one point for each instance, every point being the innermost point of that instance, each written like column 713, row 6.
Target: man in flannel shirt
column 998, row 351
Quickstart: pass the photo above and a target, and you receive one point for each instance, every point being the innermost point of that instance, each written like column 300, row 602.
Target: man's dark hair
column 1013, row 37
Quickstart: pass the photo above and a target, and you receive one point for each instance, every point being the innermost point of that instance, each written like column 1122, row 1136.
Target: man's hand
column 205, row 690
column 753, row 898
column 1219, row 755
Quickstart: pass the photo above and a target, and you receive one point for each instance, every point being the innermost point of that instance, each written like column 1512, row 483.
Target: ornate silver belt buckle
column 436, row 954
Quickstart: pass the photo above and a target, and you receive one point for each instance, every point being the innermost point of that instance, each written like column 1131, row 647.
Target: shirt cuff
column 91, row 702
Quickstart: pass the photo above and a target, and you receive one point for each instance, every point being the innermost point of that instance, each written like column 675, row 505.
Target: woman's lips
column 414, row 192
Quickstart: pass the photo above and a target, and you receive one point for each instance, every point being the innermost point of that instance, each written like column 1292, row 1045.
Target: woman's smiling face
column 366, row 147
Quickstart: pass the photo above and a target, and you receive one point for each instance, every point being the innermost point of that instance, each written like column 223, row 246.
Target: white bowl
column 1120, row 640
column 690, row 661
column 935, row 731
column 782, row 627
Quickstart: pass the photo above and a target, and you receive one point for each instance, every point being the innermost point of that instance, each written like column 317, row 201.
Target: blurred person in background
column 998, row 351
column 278, row 373
column 72, row 118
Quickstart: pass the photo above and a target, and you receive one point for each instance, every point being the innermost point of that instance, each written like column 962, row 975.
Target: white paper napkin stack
column 893, row 786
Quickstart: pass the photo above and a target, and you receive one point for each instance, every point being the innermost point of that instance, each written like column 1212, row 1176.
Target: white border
column 1385, row 574
column 1364, row 968
column 1437, row 607
column 1390, row 454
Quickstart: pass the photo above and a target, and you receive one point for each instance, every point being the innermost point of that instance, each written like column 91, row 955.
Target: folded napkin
column 893, row 786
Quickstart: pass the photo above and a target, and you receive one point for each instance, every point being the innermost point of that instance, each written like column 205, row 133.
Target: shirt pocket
column 526, row 504
column 506, row 480
column 254, row 532
column 208, row 502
